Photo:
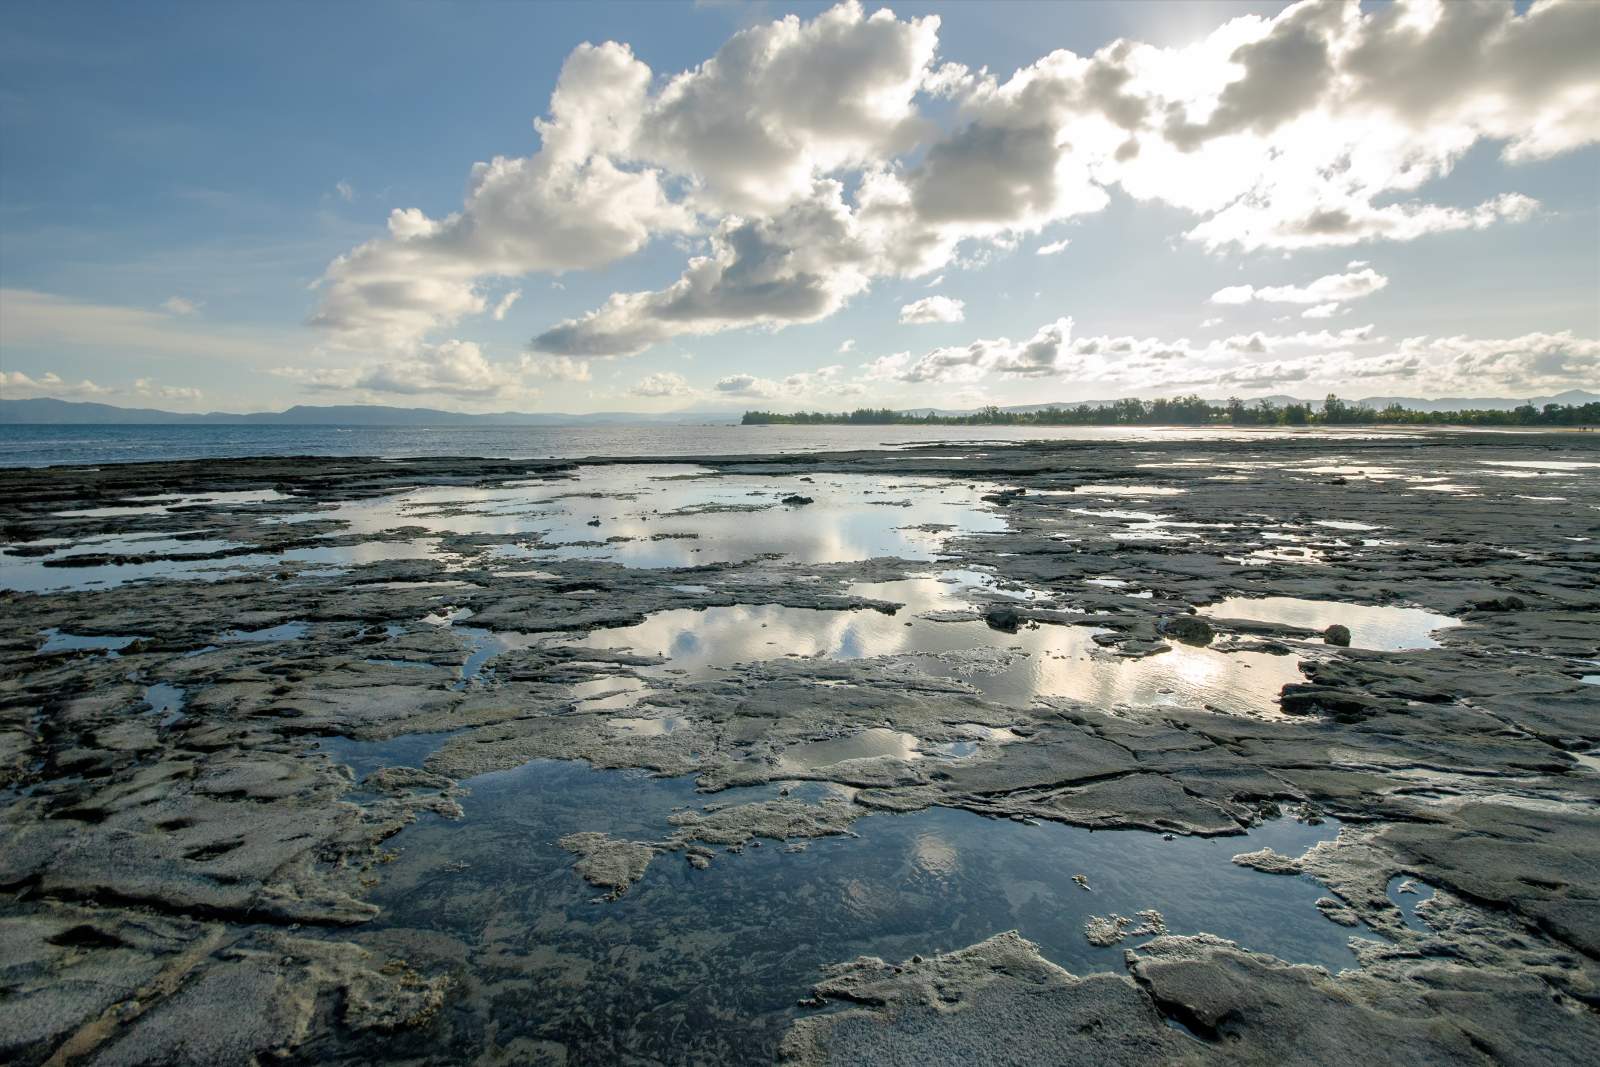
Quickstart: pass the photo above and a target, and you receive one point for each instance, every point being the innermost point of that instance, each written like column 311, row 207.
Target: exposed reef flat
column 272, row 734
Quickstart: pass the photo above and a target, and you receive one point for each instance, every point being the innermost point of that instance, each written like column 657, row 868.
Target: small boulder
column 1190, row 629
column 1003, row 617
column 1343, row 705
column 795, row 500
column 1337, row 635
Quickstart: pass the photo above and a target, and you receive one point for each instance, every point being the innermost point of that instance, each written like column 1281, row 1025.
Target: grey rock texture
column 191, row 824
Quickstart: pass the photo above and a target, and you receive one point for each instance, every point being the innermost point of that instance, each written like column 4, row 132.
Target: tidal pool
column 603, row 694
column 288, row 631
column 159, row 505
column 165, row 700
column 1405, row 894
column 1544, row 464
column 642, row 726
column 874, row 743
column 33, row 576
column 1128, row 490
column 56, row 641
column 364, row 757
column 1381, row 628
column 1014, row 668
column 674, row 515
column 708, row 964
column 679, row 515
column 135, row 545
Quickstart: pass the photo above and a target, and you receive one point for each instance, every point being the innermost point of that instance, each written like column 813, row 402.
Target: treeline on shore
column 1193, row 411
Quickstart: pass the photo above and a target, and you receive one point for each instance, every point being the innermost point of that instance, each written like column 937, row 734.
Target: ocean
column 42, row 445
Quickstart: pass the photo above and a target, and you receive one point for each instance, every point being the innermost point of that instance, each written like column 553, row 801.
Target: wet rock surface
column 996, row 1002
column 233, row 692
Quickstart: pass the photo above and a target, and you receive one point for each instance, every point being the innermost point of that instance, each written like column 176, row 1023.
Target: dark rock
column 1190, row 629
column 1003, row 617
column 1343, row 704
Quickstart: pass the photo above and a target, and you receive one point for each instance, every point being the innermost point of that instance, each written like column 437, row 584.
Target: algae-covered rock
column 607, row 862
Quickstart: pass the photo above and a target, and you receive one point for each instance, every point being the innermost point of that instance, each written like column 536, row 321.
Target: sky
column 715, row 207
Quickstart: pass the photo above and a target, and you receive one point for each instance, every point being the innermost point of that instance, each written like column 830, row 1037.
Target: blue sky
column 178, row 183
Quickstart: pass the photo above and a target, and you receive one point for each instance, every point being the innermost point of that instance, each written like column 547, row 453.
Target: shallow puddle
column 288, row 631
column 683, row 515
column 1350, row 471
column 638, row 516
column 657, row 726
column 1381, row 628
column 364, row 757
column 1544, row 464
column 1406, row 893
column 484, row 645
column 606, row 694
column 166, row 701
column 56, row 641
column 139, row 545
column 157, row 505
column 1128, row 490
column 1015, row 668
column 32, row 576
column 875, row 743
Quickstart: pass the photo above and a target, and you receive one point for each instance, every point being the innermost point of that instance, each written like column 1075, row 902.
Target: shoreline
column 69, row 446
column 1247, row 434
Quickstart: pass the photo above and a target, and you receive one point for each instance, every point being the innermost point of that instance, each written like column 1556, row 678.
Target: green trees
column 1336, row 412
column 1192, row 410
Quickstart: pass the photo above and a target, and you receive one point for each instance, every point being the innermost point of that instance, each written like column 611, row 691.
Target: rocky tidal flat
column 1249, row 750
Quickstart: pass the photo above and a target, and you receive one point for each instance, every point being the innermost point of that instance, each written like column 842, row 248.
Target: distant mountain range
column 45, row 410
column 1463, row 403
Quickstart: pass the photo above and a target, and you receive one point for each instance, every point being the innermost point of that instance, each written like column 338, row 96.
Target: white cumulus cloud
column 503, row 305
column 807, row 153
column 933, row 309
column 662, row 384
column 1326, row 290
column 19, row 385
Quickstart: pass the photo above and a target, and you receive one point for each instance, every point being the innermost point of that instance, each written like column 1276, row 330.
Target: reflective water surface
column 716, row 959
column 1047, row 660
column 1371, row 626
column 671, row 515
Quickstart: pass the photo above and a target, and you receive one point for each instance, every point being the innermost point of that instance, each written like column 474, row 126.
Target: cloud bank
column 811, row 158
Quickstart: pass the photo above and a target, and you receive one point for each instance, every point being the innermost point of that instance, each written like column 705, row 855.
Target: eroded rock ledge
column 1001, row 1002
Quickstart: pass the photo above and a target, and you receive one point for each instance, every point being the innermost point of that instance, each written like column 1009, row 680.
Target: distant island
column 41, row 411
column 1195, row 411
